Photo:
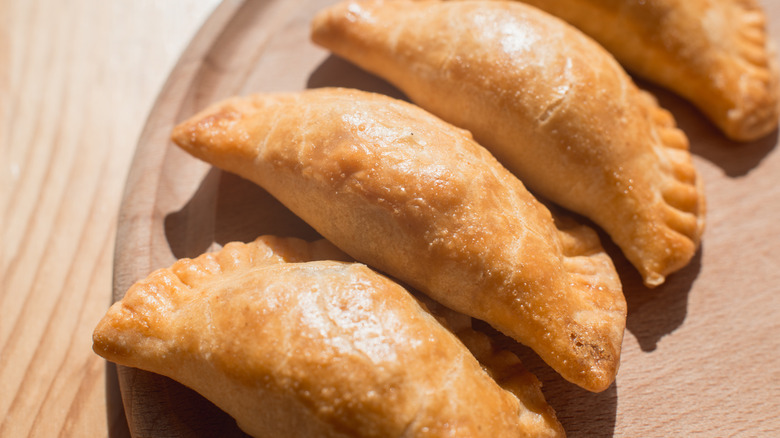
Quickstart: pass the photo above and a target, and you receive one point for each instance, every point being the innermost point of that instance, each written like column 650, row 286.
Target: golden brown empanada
column 714, row 53
column 550, row 103
column 316, row 349
column 401, row 190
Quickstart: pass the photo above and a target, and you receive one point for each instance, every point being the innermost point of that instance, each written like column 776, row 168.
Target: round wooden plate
column 701, row 354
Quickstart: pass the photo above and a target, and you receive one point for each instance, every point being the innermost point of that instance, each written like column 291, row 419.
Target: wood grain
column 700, row 354
column 77, row 80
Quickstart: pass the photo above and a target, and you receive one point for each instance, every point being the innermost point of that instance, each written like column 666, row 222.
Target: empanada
column 715, row 53
column 316, row 349
column 548, row 102
column 404, row 192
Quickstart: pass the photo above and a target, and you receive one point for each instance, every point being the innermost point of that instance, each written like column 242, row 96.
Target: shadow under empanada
column 115, row 411
column 652, row 313
column 227, row 208
column 336, row 72
column 171, row 409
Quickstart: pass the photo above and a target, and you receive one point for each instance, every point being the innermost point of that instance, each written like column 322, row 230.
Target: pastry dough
column 715, row 53
column 549, row 103
column 317, row 349
column 404, row 192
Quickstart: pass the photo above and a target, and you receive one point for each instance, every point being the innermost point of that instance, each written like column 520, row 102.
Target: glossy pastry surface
column 715, row 53
column 549, row 103
column 299, row 348
column 404, row 192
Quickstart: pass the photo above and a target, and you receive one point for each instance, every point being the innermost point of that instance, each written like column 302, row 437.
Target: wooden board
column 701, row 354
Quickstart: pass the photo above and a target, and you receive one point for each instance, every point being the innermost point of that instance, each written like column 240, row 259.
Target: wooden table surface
column 77, row 80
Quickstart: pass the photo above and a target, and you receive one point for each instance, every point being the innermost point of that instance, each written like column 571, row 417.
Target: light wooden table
column 77, row 80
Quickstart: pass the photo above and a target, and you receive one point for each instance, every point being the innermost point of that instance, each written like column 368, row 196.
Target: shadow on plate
column 653, row 313
column 115, row 411
column 336, row 72
column 227, row 208
column 163, row 407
